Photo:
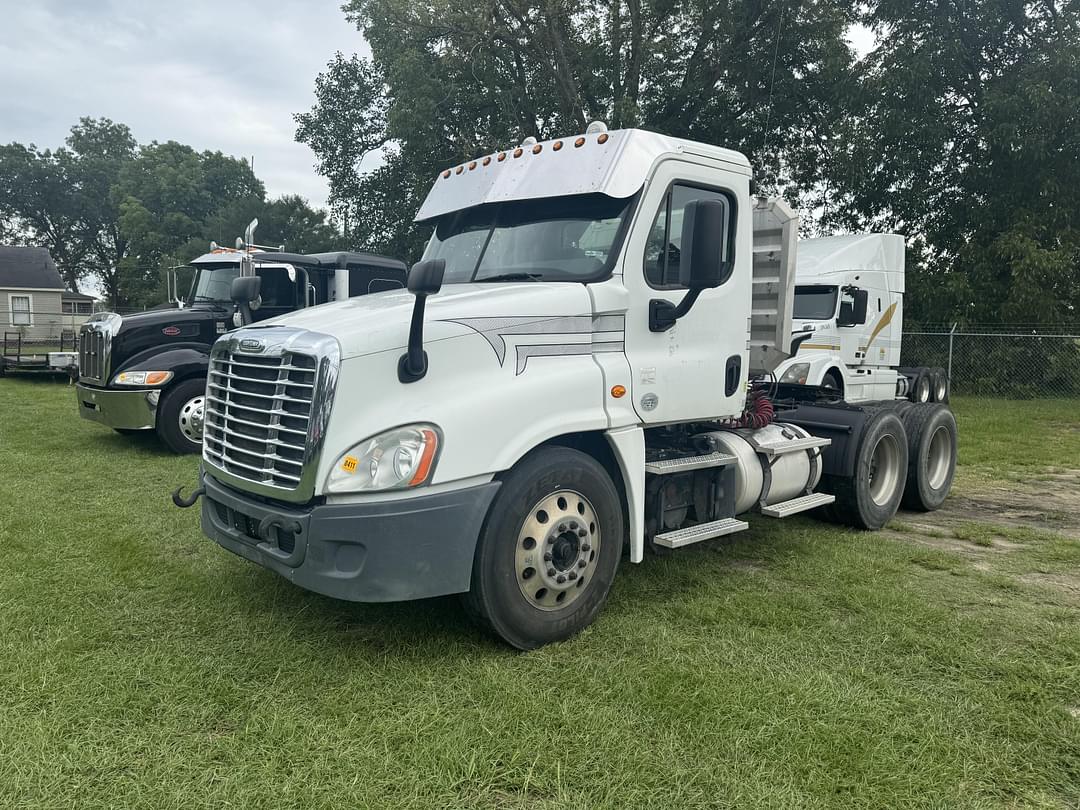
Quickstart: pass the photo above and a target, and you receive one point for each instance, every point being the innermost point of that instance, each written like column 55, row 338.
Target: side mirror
column 244, row 290
column 704, row 262
column 425, row 278
column 853, row 312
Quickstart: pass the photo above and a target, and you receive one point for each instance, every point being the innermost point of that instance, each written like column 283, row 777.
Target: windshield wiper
column 511, row 277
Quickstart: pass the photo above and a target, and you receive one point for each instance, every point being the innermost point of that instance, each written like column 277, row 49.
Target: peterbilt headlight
column 142, row 377
column 796, row 374
column 401, row 458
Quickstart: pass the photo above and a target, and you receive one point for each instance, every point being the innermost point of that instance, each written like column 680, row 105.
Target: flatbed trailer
column 20, row 357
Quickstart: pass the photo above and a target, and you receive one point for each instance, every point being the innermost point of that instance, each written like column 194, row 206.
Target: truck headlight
column 796, row 374
column 142, row 377
column 397, row 459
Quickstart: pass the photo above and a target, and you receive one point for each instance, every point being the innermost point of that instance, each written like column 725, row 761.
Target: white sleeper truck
column 583, row 365
column 847, row 321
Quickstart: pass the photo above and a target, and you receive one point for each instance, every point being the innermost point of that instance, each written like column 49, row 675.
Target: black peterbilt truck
column 148, row 371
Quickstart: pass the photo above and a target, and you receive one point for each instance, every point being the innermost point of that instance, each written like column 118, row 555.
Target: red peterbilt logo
column 171, row 331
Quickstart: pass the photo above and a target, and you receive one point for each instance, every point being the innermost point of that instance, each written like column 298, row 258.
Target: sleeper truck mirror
column 853, row 312
column 244, row 290
column 425, row 278
column 704, row 263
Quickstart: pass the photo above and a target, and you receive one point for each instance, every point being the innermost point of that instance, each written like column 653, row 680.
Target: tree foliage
column 960, row 129
column 117, row 214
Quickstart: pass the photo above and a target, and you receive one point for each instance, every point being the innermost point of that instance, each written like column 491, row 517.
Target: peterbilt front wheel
column 549, row 549
column 180, row 416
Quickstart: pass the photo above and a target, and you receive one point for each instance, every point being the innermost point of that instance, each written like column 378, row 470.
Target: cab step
column 678, row 465
column 793, row 446
column 796, row 505
column 703, row 531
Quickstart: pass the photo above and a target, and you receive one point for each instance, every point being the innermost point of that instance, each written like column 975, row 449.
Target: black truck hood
column 165, row 337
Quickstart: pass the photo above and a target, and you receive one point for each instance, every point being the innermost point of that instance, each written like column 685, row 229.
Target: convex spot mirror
column 705, row 261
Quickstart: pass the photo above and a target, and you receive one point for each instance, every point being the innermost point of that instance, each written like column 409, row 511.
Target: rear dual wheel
column 869, row 498
column 549, row 549
column 931, row 430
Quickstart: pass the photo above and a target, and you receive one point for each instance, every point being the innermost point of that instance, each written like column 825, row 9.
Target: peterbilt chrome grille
column 258, row 414
column 93, row 356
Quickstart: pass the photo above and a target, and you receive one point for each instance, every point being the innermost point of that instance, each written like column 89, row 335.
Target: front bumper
column 384, row 551
column 128, row 409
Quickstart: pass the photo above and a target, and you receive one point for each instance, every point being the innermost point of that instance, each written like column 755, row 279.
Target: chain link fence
column 1017, row 362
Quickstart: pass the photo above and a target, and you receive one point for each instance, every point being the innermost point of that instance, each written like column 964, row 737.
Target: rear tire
column 180, row 414
column 939, row 386
column 870, row 497
column 549, row 549
column 932, row 434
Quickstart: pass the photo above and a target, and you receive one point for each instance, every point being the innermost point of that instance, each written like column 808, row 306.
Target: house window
column 76, row 308
column 20, row 310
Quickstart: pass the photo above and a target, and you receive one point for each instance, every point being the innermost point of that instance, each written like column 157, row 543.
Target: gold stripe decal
column 826, row 346
column 886, row 319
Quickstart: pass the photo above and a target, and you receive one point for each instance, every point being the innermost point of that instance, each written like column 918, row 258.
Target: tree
column 968, row 135
column 347, row 123
column 461, row 79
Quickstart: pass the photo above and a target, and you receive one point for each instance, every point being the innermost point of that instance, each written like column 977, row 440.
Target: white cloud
column 222, row 75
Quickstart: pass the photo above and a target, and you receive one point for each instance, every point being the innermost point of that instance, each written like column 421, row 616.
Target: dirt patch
column 936, row 539
column 1050, row 502
column 1061, row 582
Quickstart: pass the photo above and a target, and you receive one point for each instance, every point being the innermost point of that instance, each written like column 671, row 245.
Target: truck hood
column 380, row 322
column 167, row 317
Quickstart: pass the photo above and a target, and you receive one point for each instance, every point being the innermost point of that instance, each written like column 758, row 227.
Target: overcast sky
column 225, row 75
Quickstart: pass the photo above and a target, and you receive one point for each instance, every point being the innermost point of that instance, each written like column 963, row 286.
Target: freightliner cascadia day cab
column 148, row 371
column 848, row 321
column 582, row 364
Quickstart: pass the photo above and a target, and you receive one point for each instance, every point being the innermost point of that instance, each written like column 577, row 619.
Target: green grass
column 799, row 666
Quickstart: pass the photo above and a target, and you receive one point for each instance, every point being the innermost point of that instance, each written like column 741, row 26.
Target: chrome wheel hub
column 884, row 470
column 191, row 419
column 557, row 550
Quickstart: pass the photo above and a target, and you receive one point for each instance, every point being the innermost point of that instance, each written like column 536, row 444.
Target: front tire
column 549, row 549
column 180, row 415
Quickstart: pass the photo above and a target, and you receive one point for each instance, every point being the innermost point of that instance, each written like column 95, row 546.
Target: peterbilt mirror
column 243, row 291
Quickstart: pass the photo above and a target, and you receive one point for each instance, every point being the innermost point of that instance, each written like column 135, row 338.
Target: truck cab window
column 565, row 239
column 663, row 250
column 815, row 302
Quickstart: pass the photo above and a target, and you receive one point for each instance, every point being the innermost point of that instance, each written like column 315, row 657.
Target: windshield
column 815, row 302
column 214, row 284
column 564, row 239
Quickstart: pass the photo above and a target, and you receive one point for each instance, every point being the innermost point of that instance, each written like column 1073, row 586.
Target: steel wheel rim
column 884, row 469
column 939, row 390
column 938, row 458
column 922, row 390
column 557, row 550
column 190, row 419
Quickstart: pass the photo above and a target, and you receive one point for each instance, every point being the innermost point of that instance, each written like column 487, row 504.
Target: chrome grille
column 258, row 415
column 93, row 358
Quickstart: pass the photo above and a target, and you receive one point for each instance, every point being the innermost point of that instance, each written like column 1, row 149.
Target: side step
column 796, row 505
column 793, row 446
column 678, row 465
column 703, row 531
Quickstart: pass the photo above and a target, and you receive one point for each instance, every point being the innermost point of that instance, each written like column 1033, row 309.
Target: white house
column 33, row 299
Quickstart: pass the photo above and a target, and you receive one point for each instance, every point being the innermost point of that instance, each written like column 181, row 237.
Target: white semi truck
column 848, row 318
column 583, row 364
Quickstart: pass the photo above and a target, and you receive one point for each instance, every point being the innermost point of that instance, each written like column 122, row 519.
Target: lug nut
column 562, row 528
column 581, row 563
column 547, row 556
column 582, row 533
column 560, row 579
column 551, row 572
column 572, row 575
column 573, row 525
column 586, row 547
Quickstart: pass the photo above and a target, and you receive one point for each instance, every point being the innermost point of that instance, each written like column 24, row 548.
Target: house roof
column 68, row 295
column 31, row 267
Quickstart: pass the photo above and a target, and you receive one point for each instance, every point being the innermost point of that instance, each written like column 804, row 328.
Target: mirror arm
column 663, row 313
column 413, row 365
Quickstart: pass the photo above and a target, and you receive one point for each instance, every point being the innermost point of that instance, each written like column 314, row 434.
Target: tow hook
column 270, row 522
column 183, row 502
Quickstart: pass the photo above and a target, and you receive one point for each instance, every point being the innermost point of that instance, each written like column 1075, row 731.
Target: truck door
column 697, row 368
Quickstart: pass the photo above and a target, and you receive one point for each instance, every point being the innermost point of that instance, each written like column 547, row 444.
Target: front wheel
column 180, row 416
column 549, row 549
